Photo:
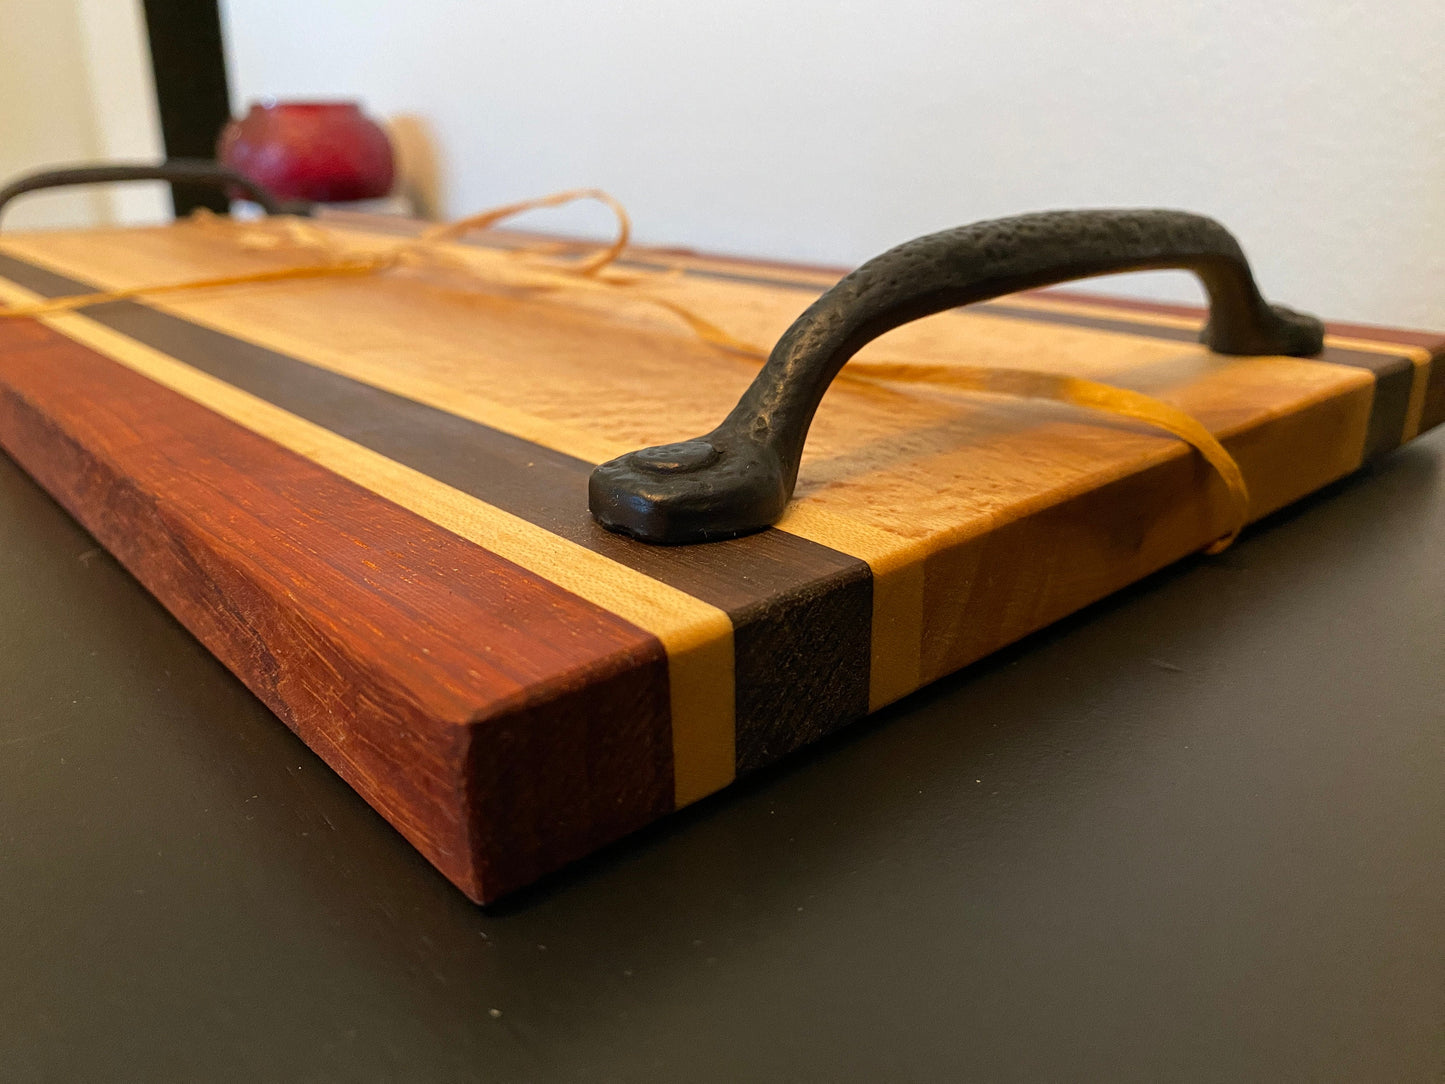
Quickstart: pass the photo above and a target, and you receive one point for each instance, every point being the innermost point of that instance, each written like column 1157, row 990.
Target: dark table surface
column 1195, row 833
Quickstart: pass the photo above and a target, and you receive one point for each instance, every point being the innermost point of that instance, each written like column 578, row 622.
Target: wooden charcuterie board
column 368, row 497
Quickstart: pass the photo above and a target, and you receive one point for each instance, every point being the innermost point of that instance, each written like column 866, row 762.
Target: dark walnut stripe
column 1393, row 375
column 410, row 659
column 1390, row 408
column 1431, row 340
column 802, row 613
column 1434, row 411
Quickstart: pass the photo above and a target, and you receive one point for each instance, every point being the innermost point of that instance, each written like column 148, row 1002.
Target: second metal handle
column 186, row 170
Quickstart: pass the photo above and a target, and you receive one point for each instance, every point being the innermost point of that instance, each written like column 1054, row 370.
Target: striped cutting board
column 368, row 497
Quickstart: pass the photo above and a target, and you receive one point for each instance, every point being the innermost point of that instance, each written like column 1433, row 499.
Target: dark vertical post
column 190, row 71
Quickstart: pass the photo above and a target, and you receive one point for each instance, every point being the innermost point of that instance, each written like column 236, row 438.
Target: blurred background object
column 325, row 152
column 188, row 63
column 417, row 166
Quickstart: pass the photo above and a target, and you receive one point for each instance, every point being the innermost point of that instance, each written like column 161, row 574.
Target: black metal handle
column 739, row 477
column 185, row 170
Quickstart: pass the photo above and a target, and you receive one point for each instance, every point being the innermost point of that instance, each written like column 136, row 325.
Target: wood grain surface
column 368, row 498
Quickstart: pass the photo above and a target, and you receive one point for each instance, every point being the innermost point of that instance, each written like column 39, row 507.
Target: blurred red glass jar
column 330, row 152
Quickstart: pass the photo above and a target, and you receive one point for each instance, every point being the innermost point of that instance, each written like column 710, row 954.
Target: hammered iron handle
column 185, row 170
column 739, row 477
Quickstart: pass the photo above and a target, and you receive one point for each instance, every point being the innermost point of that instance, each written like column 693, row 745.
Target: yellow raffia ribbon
column 530, row 268
column 1027, row 384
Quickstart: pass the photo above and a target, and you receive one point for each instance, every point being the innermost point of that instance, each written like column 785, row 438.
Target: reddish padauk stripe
column 412, row 660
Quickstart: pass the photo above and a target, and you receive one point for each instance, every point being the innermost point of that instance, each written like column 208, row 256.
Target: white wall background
column 75, row 85
column 827, row 131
